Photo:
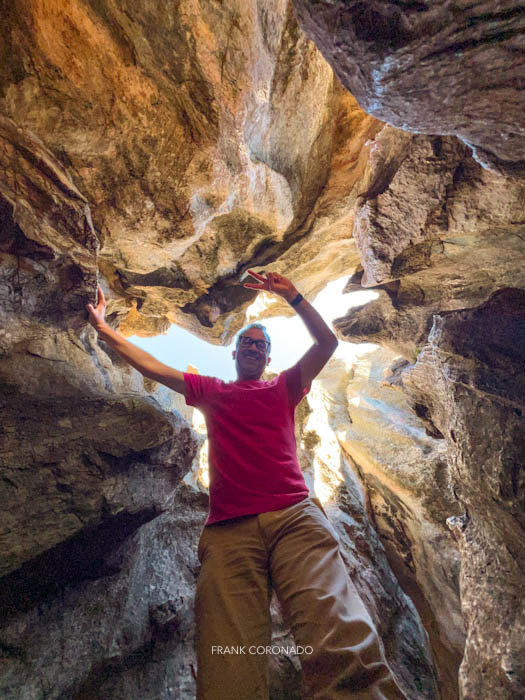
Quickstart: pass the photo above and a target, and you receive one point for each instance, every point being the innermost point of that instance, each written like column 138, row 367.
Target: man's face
column 250, row 360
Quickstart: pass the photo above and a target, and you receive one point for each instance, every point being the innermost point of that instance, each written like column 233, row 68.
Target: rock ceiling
column 206, row 137
column 432, row 67
column 163, row 148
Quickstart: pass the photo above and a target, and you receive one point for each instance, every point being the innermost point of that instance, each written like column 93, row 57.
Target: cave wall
column 432, row 67
column 162, row 149
column 470, row 379
column 402, row 470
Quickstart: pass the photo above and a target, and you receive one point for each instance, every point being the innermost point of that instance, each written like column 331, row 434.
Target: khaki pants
column 294, row 550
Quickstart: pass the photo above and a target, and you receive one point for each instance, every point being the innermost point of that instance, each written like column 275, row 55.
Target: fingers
column 101, row 297
column 256, row 275
column 101, row 304
column 270, row 281
column 276, row 276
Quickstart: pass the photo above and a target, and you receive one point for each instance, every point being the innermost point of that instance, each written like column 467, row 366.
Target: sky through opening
column 290, row 340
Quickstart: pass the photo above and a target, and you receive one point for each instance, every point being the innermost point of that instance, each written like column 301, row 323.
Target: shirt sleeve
column 293, row 382
column 199, row 389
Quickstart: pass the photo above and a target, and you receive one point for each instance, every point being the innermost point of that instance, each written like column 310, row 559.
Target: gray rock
column 432, row 67
column 470, row 376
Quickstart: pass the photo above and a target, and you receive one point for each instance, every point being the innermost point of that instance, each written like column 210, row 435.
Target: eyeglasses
column 246, row 342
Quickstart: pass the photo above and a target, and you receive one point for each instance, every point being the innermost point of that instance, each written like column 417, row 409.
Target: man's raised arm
column 145, row 363
column 325, row 342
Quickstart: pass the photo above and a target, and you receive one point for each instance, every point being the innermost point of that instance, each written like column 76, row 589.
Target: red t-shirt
column 252, row 450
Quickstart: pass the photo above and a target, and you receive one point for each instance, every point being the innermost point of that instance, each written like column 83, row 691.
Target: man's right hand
column 96, row 316
column 145, row 363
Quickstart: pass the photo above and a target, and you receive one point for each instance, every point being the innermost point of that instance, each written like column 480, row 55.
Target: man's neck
column 245, row 378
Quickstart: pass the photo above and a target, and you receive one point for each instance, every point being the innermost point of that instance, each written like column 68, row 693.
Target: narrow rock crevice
column 82, row 557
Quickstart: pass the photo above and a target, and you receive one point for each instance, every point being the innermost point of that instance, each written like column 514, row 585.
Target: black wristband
column 295, row 302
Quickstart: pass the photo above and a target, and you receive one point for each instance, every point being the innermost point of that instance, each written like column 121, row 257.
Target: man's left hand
column 273, row 282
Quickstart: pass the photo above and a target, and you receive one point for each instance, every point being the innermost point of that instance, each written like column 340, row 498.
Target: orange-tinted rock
column 202, row 135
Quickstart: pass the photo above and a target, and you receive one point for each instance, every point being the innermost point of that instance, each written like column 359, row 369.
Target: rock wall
column 457, row 253
column 417, row 225
column 470, row 379
column 402, row 471
column 120, row 628
column 163, row 148
column 432, row 67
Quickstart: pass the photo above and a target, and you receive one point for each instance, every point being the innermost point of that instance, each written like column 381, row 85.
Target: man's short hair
column 253, row 325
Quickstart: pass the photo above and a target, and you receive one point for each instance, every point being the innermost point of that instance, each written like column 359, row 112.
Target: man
column 263, row 531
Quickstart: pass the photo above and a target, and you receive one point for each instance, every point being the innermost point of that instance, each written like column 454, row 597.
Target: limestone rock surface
column 470, row 378
column 89, row 460
column 333, row 477
column 435, row 232
column 402, row 470
column 70, row 459
column 432, row 67
column 447, row 263
column 208, row 133
column 122, row 629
